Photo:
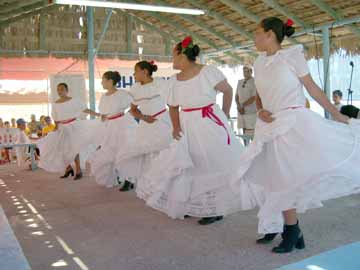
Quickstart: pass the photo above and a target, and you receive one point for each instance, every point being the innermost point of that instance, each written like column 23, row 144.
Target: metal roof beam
column 205, row 27
column 167, row 21
column 219, row 17
column 151, row 26
column 20, row 8
column 201, row 24
column 300, row 33
column 337, row 15
column 241, row 9
column 6, row 22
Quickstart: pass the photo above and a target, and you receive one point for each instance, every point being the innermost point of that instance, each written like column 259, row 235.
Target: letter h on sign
column 124, row 84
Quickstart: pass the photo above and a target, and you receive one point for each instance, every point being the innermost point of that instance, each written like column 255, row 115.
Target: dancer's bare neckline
column 197, row 68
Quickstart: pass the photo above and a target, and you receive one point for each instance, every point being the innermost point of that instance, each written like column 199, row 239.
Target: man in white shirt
column 245, row 100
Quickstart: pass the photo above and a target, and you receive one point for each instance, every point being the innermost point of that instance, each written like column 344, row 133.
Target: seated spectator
column 34, row 126
column 6, row 152
column 49, row 126
column 22, row 152
column 42, row 120
column 13, row 123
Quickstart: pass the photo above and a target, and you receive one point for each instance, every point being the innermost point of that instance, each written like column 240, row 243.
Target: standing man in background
column 245, row 101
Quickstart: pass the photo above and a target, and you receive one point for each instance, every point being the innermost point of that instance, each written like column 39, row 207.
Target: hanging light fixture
column 121, row 5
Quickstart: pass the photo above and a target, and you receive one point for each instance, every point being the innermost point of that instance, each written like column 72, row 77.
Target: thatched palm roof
column 33, row 25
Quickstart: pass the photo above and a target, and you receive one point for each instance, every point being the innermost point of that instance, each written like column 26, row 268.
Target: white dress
column 246, row 90
column 148, row 138
column 73, row 136
column 300, row 159
column 192, row 177
column 112, row 135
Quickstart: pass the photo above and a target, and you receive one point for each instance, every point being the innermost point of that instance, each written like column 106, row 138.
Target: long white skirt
column 192, row 176
column 146, row 140
column 113, row 136
column 59, row 148
column 297, row 162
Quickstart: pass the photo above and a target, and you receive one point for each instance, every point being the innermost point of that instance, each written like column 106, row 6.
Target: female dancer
column 59, row 149
column 192, row 177
column 290, row 163
column 153, row 133
column 115, row 132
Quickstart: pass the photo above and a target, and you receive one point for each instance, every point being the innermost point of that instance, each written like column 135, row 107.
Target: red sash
column 208, row 112
column 115, row 116
column 158, row 113
column 68, row 121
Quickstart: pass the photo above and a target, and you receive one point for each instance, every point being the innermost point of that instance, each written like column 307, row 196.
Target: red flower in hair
column 289, row 22
column 152, row 62
column 186, row 42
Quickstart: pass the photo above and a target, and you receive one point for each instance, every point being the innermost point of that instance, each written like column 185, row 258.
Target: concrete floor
column 79, row 225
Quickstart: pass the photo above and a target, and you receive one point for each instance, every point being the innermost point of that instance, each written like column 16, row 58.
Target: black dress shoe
column 292, row 238
column 78, row 176
column 187, row 216
column 268, row 238
column 209, row 220
column 67, row 173
column 127, row 186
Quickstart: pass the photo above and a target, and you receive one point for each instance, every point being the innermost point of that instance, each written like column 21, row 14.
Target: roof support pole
column 91, row 54
column 326, row 63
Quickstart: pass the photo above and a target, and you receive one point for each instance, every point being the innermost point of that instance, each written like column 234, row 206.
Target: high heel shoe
column 209, row 220
column 67, row 173
column 127, row 186
column 78, row 176
column 292, row 238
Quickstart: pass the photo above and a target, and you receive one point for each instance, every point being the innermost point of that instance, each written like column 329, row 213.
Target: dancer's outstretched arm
column 316, row 93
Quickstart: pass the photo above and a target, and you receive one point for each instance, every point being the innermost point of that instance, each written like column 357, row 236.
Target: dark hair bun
column 196, row 50
column 192, row 53
column 154, row 67
column 288, row 30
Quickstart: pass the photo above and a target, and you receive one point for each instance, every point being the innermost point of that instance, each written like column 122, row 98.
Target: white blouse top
column 70, row 109
column 198, row 91
column 115, row 103
column 149, row 97
column 277, row 78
